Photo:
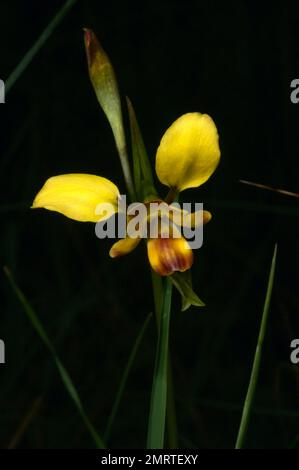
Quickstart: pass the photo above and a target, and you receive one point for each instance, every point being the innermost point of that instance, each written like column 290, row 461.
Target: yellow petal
column 79, row 197
column 191, row 220
column 167, row 255
column 123, row 246
column 189, row 152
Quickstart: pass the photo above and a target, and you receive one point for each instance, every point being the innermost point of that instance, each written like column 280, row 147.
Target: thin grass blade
column 66, row 379
column 125, row 377
column 257, row 359
column 29, row 56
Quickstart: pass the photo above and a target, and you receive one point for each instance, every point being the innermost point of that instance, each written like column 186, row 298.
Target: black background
column 232, row 60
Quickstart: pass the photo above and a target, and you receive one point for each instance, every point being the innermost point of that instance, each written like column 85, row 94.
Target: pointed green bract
column 183, row 283
column 104, row 82
column 143, row 176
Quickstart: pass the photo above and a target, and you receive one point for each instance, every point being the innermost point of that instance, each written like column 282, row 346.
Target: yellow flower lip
column 167, row 255
column 189, row 152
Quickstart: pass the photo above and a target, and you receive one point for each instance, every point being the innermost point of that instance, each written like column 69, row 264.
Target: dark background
column 232, row 60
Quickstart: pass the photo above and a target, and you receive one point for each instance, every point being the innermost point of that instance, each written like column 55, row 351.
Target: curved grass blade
column 29, row 56
column 66, row 379
column 156, row 426
column 257, row 359
column 125, row 377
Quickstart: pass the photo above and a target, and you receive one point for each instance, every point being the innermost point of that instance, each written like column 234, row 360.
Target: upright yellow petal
column 82, row 197
column 189, row 152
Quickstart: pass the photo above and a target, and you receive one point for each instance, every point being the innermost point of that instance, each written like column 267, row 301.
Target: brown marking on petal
column 171, row 255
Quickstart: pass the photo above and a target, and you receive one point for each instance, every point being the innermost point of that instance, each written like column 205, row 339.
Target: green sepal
column 105, row 85
column 183, row 283
column 142, row 171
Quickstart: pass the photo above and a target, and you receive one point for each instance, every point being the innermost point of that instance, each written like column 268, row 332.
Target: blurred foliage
column 234, row 61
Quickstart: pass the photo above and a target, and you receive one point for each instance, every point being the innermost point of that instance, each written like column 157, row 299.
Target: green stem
column 158, row 295
column 171, row 421
column 157, row 415
column 171, row 195
column 257, row 359
column 29, row 56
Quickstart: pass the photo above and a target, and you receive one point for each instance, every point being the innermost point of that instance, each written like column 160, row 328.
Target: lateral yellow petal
column 167, row 255
column 189, row 152
column 190, row 219
column 123, row 247
column 82, row 197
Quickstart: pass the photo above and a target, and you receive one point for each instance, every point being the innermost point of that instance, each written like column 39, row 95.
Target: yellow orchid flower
column 187, row 156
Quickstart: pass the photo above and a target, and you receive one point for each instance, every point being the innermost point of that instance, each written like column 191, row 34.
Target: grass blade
column 284, row 192
column 29, row 56
column 257, row 359
column 156, row 426
column 25, row 423
column 125, row 377
column 66, row 379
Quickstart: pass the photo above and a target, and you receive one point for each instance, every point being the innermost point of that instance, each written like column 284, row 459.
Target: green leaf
column 183, row 283
column 65, row 377
column 157, row 414
column 257, row 359
column 143, row 176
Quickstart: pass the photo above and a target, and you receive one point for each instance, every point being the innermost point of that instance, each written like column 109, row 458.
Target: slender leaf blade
column 33, row 51
column 65, row 377
column 125, row 375
column 257, row 359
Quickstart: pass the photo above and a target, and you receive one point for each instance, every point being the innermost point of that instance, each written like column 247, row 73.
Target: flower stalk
column 157, row 415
